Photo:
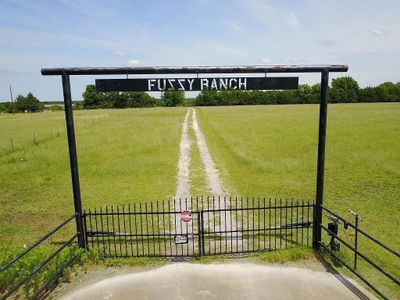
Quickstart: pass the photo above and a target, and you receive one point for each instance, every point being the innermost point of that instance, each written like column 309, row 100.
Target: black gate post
column 73, row 159
column 323, row 108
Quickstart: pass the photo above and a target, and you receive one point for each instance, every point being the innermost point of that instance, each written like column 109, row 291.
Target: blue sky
column 65, row 33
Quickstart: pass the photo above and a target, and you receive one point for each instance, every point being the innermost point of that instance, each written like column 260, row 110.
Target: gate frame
column 324, row 70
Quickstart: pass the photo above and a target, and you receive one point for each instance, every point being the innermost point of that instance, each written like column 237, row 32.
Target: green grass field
column 131, row 155
column 124, row 156
column 272, row 151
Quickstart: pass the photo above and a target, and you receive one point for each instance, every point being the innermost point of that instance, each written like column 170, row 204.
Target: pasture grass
column 124, row 156
column 272, row 151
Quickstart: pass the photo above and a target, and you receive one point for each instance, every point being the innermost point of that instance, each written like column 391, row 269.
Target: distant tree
column 139, row 99
column 388, row 91
column 92, row 98
column 172, row 98
column 344, row 89
column 369, row 94
column 29, row 103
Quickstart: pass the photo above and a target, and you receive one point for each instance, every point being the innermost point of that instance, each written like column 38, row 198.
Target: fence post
column 73, row 159
column 200, row 221
column 323, row 108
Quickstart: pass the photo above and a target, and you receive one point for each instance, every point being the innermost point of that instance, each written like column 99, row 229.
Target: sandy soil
column 221, row 281
column 183, row 188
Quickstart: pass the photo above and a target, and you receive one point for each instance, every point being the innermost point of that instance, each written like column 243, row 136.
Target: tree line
column 342, row 90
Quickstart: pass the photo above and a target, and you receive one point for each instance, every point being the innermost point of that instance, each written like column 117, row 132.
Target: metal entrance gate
column 199, row 226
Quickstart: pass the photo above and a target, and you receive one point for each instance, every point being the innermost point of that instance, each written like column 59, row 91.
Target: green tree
column 29, row 103
column 388, row 92
column 344, row 89
column 92, row 98
column 172, row 98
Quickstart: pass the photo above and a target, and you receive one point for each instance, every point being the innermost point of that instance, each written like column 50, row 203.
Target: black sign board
column 197, row 84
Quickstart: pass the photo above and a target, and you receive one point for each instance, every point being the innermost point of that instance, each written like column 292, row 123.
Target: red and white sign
column 186, row 216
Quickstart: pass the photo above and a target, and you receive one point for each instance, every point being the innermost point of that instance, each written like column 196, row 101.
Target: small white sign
column 181, row 239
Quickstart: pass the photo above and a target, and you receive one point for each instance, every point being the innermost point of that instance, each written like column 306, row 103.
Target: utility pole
column 12, row 100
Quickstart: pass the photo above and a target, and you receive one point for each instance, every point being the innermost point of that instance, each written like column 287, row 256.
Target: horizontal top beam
column 196, row 69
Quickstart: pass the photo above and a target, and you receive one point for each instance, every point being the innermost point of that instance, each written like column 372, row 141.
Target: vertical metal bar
column 302, row 221
column 264, row 229
column 158, row 228
column 280, row 223
column 73, row 158
column 202, row 233
column 269, row 224
column 102, row 230
column 152, row 227
column 237, row 228
column 163, row 223
column 192, row 209
column 91, row 227
column 175, row 225
column 242, row 217
column 141, row 228
column 286, row 219
column 208, row 220
column 85, row 231
column 323, row 108
column 180, row 223
column 108, row 232
column 253, row 222
column 199, row 220
column 97, row 230
column 225, row 235
column 170, row 225
column 291, row 220
column 297, row 221
column 214, row 217
column 259, row 220
column 308, row 221
column 136, row 230
column 130, row 228
column 275, row 231
column 248, row 223
column 356, row 242
column 147, row 228
column 113, row 229
column 125, row 233
column 119, row 232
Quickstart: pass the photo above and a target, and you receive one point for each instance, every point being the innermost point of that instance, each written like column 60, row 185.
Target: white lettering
column 214, row 84
column 223, row 83
column 231, row 86
column 170, row 81
column 164, row 81
column 203, row 83
column 190, row 84
column 182, row 87
column 150, row 83
column 242, row 83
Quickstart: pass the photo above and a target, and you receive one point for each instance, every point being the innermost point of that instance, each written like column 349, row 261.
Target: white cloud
column 266, row 60
column 120, row 53
column 378, row 32
column 133, row 62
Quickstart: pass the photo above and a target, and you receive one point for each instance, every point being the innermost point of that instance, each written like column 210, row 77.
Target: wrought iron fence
column 199, row 226
column 359, row 247
column 19, row 272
